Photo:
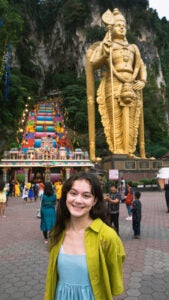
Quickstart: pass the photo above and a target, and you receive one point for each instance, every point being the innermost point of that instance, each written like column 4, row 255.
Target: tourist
column 31, row 193
column 48, row 214
column 113, row 199
column 7, row 188
column 17, row 189
column 41, row 189
column 122, row 190
column 35, row 191
column 11, row 188
column 129, row 199
column 2, row 199
column 25, row 193
column 136, row 213
column 166, row 188
column 86, row 255
column 58, row 187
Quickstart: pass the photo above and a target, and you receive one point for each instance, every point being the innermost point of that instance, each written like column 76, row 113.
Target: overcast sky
column 161, row 6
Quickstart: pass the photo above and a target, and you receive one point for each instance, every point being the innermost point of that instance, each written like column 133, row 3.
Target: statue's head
column 116, row 21
column 119, row 26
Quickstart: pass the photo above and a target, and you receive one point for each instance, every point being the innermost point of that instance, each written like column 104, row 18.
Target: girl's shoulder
column 110, row 240
column 103, row 229
column 107, row 231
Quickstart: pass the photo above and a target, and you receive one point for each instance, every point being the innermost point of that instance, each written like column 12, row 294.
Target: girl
column 86, row 255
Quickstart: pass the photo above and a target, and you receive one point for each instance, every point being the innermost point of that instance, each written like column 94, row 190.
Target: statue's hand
column 106, row 47
column 138, row 85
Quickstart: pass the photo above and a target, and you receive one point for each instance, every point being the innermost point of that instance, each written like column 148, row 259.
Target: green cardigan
column 104, row 254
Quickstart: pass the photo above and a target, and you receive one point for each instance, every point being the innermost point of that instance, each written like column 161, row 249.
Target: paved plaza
column 24, row 256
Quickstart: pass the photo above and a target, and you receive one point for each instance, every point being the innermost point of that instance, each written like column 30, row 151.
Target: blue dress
column 30, row 193
column 48, row 213
column 74, row 282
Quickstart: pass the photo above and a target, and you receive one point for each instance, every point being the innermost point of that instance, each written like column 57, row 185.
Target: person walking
column 48, row 213
column 17, row 189
column 58, row 187
column 129, row 199
column 86, row 254
column 113, row 199
column 122, row 190
column 136, row 213
column 2, row 199
column 31, row 193
column 11, row 189
column 7, row 192
column 41, row 190
column 25, row 193
column 35, row 191
column 166, row 189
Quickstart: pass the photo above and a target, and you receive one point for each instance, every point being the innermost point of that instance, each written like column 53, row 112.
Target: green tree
column 154, row 117
column 75, row 107
column 75, row 12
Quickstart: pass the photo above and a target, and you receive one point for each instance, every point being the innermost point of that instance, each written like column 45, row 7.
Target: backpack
column 129, row 197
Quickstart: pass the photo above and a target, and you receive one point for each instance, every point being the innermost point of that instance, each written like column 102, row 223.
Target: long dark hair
column 63, row 215
column 48, row 190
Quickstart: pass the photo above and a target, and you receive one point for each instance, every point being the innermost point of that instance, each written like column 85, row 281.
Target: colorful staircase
column 45, row 121
column 45, row 145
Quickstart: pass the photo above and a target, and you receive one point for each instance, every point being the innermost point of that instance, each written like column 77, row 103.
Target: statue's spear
column 108, row 20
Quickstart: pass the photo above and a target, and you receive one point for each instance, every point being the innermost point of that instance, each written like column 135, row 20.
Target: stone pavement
column 24, row 256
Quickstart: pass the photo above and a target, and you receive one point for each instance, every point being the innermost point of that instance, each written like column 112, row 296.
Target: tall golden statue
column 119, row 95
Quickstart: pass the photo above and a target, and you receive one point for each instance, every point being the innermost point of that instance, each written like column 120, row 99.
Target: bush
column 147, row 181
column 135, row 184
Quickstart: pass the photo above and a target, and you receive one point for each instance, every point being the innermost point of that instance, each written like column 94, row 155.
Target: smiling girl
column 86, row 255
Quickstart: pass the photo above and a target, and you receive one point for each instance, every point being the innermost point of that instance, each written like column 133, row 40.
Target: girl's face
column 80, row 199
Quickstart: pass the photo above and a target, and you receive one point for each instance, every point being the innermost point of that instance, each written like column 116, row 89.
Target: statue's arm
column 143, row 72
column 140, row 73
column 98, row 57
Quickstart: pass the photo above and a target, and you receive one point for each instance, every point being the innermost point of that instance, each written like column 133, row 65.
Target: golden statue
column 119, row 95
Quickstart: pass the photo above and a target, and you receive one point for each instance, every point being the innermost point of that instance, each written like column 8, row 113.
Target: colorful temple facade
column 45, row 150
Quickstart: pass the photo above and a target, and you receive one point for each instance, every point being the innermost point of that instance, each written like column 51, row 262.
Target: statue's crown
column 110, row 18
column 118, row 15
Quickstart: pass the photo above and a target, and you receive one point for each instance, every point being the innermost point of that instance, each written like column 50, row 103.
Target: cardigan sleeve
column 51, row 277
column 105, row 256
column 114, row 256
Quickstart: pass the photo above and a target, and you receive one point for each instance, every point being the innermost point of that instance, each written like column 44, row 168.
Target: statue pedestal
column 132, row 169
column 116, row 159
column 120, row 156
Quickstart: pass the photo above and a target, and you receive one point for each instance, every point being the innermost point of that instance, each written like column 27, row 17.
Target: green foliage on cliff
column 95, row 33
column 74, row 13
column 124, row 4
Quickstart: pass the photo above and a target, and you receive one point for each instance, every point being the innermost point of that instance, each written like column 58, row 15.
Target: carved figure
column 119, row 95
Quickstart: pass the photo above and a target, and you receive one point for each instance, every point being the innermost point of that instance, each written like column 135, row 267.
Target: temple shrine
column 45, row 150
